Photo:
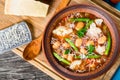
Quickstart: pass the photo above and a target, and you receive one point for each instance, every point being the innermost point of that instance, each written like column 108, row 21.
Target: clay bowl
column 98, row 13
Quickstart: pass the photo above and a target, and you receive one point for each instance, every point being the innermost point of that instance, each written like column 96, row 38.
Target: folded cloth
column 117, row 6
column 116, row 76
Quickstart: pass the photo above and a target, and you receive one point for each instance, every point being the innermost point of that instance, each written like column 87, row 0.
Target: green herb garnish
column 90, row 48
column 81, row 32
column 67, row 51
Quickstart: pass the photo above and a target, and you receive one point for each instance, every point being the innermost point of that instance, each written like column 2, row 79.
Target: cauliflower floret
column 62, row 31
column 100, row 49
column 93, row 31
column 98, row 22
column 75, row 64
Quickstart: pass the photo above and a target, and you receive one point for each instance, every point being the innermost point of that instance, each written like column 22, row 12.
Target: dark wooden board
column 14, row 67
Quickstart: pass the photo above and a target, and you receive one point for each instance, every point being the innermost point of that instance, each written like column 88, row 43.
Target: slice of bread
column 26, row 8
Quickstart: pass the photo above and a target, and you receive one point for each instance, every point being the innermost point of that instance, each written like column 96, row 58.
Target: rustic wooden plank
column 12, row 67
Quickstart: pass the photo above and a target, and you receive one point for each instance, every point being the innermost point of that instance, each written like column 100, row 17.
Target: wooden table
column 37, row 26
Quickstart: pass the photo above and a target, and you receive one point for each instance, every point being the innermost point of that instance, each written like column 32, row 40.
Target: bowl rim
column 57, row 66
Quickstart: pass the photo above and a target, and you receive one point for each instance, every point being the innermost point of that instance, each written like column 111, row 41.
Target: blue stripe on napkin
column 116, row 76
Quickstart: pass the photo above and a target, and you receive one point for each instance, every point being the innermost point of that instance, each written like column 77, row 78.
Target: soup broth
column 81, row 42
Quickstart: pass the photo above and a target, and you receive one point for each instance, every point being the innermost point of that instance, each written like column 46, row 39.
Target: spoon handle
column 62, row 5
column 40, row 37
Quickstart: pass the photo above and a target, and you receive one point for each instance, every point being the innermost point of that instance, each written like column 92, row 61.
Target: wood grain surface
column 12, row 67
column 37, row 25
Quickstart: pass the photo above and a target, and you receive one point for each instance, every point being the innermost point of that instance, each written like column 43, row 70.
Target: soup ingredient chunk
column 56, row 45
column 102, row 40
column 100, row 49
column 93, row 31
column 98, row 22
column 108, row 44
column 75, row 64
column 65, row 45
column 79, row 25
column 78, row 42
column 61, row 59
column 62, row 31
column 83, row 50
column 70, row 57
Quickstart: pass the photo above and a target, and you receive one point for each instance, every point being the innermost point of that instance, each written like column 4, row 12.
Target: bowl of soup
column 80, row 42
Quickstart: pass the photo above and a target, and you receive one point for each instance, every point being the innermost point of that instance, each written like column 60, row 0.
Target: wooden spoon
column 33, row 48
